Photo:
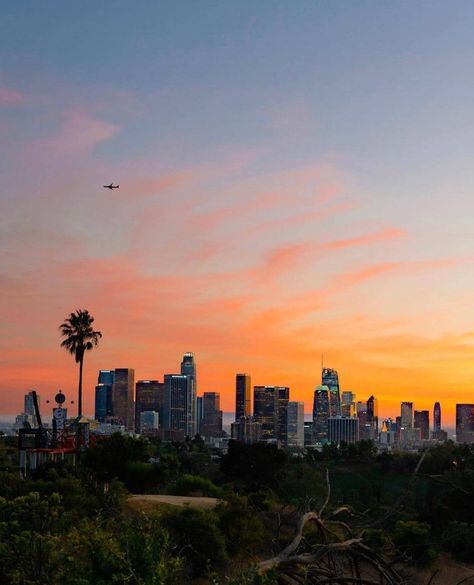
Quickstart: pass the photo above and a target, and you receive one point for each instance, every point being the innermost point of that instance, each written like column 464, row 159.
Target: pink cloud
column 10, row 97
column 411, row 267
column 284, row 257
column 78, row 133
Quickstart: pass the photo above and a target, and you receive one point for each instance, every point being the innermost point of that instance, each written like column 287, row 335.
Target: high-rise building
column 341, row 429
column 103, row 395
column 465, row 423
column 270, row 405
column 148, row 422
column 348, row 407
column 29, row 407
column 199, row 414
column 265, row 410
column 246, row 430
column 149, row 397
column 242, row 395
column 188, row 368
column 321, row 413
column 366, row 430
column 123, row 408
column 407, row 415
column 330, row 379
column 283, row 397
column 436, row 418
column 211, row 424
column 308, row 434
column 373, row 416
column 422, row 422
column 295, row 434
column 178, row 411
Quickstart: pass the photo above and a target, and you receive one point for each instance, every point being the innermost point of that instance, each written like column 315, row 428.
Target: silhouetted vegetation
column 75, row 526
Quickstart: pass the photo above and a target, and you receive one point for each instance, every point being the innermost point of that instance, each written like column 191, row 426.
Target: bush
column 194, row 485
column 375, row 538
column 414, row 539
column 459, row 541
column 198, row 538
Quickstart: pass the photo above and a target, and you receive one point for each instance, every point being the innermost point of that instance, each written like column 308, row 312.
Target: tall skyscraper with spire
column 330, row 379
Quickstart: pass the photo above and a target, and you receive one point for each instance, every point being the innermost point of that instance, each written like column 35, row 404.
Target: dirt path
column 147, row 501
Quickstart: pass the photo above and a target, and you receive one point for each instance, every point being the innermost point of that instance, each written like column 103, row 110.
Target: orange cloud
column 285, row 257
column 407, row 266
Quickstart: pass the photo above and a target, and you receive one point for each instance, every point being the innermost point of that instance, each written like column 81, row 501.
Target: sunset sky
column 296, row 178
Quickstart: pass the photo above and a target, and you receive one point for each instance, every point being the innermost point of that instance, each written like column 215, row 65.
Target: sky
column 295, row 178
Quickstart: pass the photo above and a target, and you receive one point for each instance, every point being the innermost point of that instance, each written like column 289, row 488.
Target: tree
column 414, row 539
column 79, row 337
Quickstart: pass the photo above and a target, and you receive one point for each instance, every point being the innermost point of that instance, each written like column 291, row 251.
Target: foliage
column 198, row 538
column 73, row 525
column 458, row 539
column 253, row 467
column 194, row 485
column 243, row 529
column 414, row 540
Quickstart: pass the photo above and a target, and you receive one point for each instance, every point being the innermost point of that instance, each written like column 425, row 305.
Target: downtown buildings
column 171, row 409
column 275, row 418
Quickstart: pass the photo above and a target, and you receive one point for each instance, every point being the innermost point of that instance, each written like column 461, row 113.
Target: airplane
column 111, row 186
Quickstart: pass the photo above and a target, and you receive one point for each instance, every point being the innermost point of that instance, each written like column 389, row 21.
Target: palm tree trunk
column 79, row 400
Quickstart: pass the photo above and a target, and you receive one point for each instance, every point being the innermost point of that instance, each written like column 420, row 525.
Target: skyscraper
column 177, row 406
column 407, row 415
column 271, row 410
column 436, row 418
column 242, row 395
column 373, row 416
column 265, row 411
column 283, row 397
column 321, row 413
column 465, row 423
column 422, row 422
column 295, row 434
column 366, row 430
column 122, row 397
column 211, row 424
column 29, row 407
column 330, row 379
column 199, row 413
column 348, row 404
column 149, row 397
column 149, row 422
column 188, row 368
column 103, row 395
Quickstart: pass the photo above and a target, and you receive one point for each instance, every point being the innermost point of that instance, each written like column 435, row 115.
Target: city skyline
column 172, row 410
column 294, row 180
column 361, row 398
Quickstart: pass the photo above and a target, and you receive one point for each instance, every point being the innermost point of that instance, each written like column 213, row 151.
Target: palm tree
column 79, row 338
